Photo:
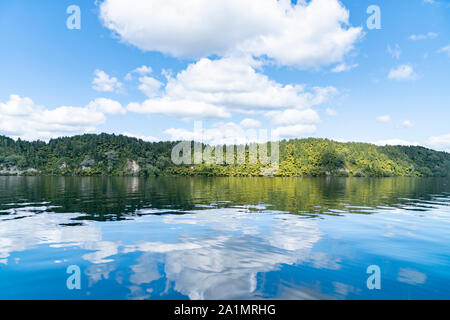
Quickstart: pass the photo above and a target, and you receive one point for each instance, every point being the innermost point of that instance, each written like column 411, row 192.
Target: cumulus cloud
column 107, row 106
column 17, row 106
column 250, row 123
column 440, row 142
column 70, row 116
column 295, row 131
column 104, row 83
column 306, row 35
column 293, row 116
column 150, row 86
column 22, row 118
column 187, row 109
column 403, row 72
column 142, row 71
column 219, row 88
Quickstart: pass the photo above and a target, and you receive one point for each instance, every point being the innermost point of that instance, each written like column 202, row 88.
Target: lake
column 224, row 238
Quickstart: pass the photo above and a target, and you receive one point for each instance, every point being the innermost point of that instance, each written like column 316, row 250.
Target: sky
column 159, row 69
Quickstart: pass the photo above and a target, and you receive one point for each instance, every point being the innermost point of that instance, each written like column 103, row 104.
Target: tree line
column 117, row 155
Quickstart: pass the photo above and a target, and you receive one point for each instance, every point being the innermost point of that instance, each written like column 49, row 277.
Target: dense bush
column 106, row 154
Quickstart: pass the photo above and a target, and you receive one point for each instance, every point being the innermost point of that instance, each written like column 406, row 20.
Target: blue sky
column 222, row 64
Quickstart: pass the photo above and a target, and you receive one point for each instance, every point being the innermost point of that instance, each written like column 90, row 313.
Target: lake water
column 224, row 238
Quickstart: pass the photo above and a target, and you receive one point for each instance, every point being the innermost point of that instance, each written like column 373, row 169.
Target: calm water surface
column 224, row 238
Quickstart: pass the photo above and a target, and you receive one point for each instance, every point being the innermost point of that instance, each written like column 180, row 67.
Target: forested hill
column 106, row 154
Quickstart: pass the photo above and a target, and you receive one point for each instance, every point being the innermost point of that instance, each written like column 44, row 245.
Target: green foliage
column 105, row 154
column 321, row 157
column 85, row 155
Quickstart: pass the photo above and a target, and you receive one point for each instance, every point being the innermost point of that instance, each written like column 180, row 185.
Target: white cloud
column 104, row 83
column 296, row 131
column 145, row 138
column 250, row 123
column 70, row 116
column 177, row 134
column 186, row 109
column 150, row 86
column 142, row 71
column 403, row 72
column 343, row 67
column 293, row 116
column 309, row 34
column 191, row 29
column 445, row 50
column 219, row 88
column 384, row 118
column 440, row 142
column 429, row 35
column 106, row 106
column 331, row 112
column 396, row 142
column 395, row 52
column 17, row 106
column 22, row 118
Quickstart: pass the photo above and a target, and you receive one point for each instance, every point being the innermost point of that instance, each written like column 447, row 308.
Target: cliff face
column 14, row 170
column 132, row 167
